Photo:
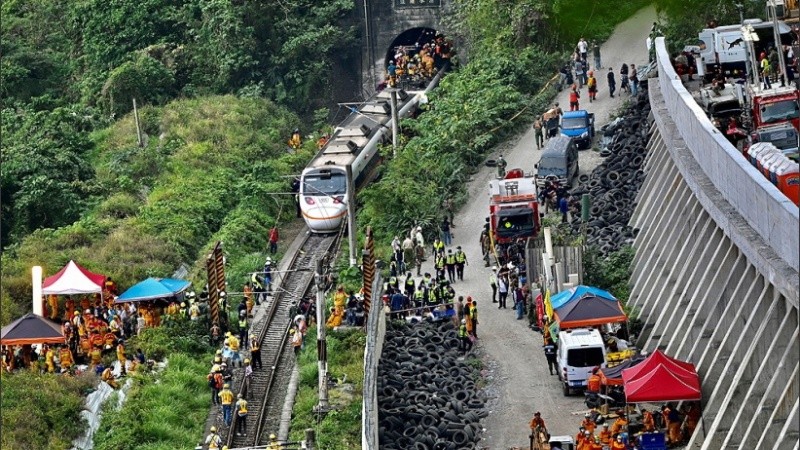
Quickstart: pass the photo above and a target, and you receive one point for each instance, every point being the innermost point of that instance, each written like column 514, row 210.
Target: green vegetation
column 42, row 411
column 612, row 273
column 339, row 429
column 685, row 18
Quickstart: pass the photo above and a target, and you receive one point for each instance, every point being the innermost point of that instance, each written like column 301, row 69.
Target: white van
column 579, row 351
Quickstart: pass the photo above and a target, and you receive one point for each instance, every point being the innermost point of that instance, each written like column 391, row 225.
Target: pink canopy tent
column 661, row 385
column 73, row 279
column 651, row 362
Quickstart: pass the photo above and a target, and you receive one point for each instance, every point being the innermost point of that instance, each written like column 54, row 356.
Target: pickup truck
column 579, row 125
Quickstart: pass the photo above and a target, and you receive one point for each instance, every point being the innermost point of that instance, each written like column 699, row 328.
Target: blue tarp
column 153, row 288
column 564, row 297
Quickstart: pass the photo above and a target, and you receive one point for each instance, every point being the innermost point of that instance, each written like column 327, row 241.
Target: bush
column 42, row 411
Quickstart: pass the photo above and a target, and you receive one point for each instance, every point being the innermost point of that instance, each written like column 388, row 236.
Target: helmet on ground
column 213, row 429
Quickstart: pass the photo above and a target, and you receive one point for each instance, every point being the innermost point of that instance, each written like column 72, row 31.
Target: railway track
column 266, row 390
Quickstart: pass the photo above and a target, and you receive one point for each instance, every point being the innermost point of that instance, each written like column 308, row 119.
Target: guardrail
column 376, row 332
column 773, row 216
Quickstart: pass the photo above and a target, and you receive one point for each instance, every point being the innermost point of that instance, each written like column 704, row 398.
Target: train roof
column 355, row 132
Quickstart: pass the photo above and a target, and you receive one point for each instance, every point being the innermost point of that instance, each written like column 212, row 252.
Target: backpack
column 592, row 82
column 218, row 380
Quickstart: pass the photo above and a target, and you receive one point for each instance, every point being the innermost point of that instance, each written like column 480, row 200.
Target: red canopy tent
column 661, row 385
column 677, row 366
column 73, row 279
column 31, row 329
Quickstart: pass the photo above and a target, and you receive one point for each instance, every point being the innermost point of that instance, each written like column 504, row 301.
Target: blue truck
column 579, row 125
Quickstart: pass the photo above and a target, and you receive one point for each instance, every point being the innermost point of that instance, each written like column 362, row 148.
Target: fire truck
column 513, row 207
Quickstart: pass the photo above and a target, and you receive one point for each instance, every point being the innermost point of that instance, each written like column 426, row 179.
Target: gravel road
column 518, row 381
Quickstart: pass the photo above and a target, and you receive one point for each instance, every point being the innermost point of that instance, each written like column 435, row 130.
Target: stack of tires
column 613, row 185
column 427, row 399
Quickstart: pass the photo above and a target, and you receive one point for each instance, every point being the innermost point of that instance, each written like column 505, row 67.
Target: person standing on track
column 226, row 398
column 241, row 416
column 255, row 352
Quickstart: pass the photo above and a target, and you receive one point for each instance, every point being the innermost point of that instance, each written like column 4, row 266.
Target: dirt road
column 519, row 382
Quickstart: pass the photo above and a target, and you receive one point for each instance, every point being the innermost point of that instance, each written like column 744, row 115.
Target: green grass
column 339, row 429
column 163, row 411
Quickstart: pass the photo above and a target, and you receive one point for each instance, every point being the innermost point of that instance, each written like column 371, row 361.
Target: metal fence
column 376, row 332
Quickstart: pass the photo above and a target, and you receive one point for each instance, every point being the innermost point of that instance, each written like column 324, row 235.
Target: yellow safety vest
column 242, row 404
column 226, row 396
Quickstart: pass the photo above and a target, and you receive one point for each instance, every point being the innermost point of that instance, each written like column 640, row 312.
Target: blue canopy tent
column 564, row 297
column 153, row 289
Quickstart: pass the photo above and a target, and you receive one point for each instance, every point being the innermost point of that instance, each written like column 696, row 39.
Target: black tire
column 565, row 390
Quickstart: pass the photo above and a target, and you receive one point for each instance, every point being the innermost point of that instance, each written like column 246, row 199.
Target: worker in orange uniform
column 579, row 438
column 537, row 422
column 619, row 425
column 617, row 444
column 69, row 307
column 588, row 439
column 593, row 383
column 692, row 417
column 648, row 421
column 588, row 423
column 605, row 435
column 674, row 426
column 595, row 444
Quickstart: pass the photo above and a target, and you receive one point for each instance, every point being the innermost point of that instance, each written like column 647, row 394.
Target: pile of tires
column 613, row 185
column 427, row 399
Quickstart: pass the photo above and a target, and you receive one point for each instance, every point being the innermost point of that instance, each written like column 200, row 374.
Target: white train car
column 355, row 142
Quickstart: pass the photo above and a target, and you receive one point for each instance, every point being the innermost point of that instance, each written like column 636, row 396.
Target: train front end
column 323, row 197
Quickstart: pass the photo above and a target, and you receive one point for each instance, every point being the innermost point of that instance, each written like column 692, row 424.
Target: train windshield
column 325, row 183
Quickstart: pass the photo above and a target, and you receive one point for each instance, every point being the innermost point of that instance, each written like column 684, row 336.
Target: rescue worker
column 217, row 358
column 340, row 299
column 248, row 298
column 409, row 285
column 70, row 308
column 95, row 356
column 618, row 444
column 243, row 331
column 465, row 344
column 605, row 435
column 296, row 140
column 255, row 352
column 580, row 437
column 674, row 427
column 184, row 311
column 591, row 83
column 226, row 398
column 194, row 312
column 213, row 440
column 501, row 167
column 273, row 443
column 537, row 423
column 648, row 421
column 121, row 356
column 438, row 265
column 297, row 341
column 595, row 444
column 450, row 265
column 588, row 423
column 49, row 359
column 574, row 97
column 108, row 377
column 52, row 300
column 461, row 261
column 234, row 343
column 65, row 358
column 241, row 416
column 215, row 383
column 619, row 425
column 258, row 288
column 692, row 418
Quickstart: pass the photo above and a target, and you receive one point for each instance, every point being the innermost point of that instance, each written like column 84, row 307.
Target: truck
column 579, row 351
column 774, row 106
column 513, row 207
column 723, row 47
column 579, row 125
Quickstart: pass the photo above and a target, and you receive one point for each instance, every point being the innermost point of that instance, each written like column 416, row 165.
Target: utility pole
column 322, row 348
column 351, row 215
column 139, row 139
column 778, row 46
column 395, row 119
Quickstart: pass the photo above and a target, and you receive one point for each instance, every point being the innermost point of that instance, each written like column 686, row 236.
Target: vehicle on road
column 579, row 351
column 559, row 162
column 579, row 125
column 513, row 207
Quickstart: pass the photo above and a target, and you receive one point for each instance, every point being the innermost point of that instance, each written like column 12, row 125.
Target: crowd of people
column 418, row 62
column 618, row 431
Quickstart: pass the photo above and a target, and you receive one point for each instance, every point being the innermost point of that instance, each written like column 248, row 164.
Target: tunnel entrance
column 412, row 39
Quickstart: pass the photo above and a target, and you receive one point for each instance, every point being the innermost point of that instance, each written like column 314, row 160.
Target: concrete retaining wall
column 709, row 285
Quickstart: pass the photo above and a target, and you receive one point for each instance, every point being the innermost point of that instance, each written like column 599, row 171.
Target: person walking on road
column 574, row 97
column 583, row 48
column 591, row 83
column 493, row 284
column 550, row 350
column 537, row 424
column 501, row 167
column 596, row 53
column 612, row 83
column 538, row 132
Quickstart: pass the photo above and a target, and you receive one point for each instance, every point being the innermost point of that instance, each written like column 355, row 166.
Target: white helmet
column 463, row 321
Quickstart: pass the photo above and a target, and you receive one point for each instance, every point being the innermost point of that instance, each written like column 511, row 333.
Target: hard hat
column 219, row 352
column 585, row 432
column 215, row 368
column 213, row 429
column 77, row 313
column 252, row 335
column 183, row 304
column 463, row 320
column 228, row 334
column 587, row 415
column 239, row 395
column 247, row 360
column 605, row 425
column 273, row 437
column 226, row 385
column 224, row 364
column 291, row 331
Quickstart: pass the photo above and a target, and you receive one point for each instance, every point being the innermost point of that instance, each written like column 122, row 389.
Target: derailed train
column 355, row 142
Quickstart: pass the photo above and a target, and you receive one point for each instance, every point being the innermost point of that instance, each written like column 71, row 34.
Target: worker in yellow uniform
column 241, row 416
column 108, row 377
column 50, row 360
column 53, row 301
column 226, row 398
column 339, row 300
column 95, row 356
column 121, row 356
column 213, row 440
column 65, row 358
column 273, row 443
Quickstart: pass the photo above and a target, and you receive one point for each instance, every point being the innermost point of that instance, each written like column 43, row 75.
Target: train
column 356, row 143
